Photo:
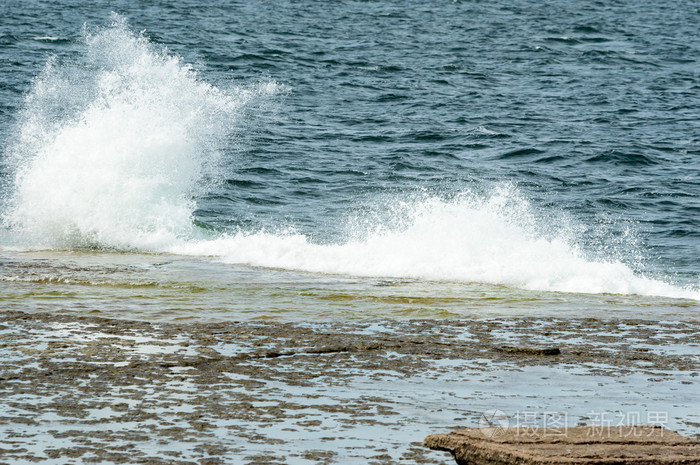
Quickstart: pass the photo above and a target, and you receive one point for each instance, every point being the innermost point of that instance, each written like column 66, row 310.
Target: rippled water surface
column 352, row 159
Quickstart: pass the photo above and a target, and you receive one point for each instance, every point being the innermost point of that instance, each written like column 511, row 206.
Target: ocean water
column 306, row 160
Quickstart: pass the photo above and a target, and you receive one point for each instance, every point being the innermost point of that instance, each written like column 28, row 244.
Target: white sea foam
column 468, row 239
column 48, row 38
column 113, row 148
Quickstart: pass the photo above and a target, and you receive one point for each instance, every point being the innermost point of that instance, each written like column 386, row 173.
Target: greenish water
column 172, row 287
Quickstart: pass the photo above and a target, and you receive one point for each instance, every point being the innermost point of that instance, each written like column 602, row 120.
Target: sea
column 342, row 160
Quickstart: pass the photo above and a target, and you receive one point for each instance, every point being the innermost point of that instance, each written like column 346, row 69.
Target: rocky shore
column 81, row 389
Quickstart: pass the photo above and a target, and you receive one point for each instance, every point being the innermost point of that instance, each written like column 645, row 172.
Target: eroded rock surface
column 82, row 389
column 583, row 445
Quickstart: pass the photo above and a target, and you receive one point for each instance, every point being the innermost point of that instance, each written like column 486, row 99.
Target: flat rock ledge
column 638, row 445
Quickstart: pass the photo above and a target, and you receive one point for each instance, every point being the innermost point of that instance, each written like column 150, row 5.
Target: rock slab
column 638, row 445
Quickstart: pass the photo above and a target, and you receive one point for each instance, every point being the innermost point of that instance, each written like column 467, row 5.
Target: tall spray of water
column 114, row 145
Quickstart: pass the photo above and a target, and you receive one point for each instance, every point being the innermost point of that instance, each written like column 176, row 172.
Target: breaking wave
column 113, row 147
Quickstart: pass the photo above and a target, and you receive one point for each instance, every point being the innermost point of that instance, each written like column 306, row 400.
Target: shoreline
column 78, row 389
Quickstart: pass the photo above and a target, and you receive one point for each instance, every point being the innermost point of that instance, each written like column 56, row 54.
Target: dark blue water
column 586, row 115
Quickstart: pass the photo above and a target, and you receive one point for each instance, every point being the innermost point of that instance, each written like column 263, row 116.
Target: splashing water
column 477, row 239
column 113, row 148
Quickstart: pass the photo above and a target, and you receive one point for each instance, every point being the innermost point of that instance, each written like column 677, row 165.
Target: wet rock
column 529, row 350
column 638, row 445
column 320, row 392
